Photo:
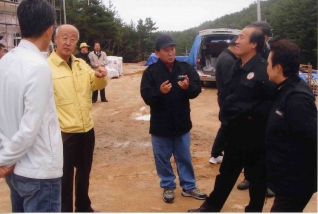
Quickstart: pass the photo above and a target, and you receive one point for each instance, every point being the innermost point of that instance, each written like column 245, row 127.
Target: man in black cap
column 167, row 86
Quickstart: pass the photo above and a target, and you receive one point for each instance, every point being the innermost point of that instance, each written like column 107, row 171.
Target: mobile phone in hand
column 181, row 77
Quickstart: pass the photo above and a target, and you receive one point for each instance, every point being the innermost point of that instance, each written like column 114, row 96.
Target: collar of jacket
column 175, row 63
column 231, row 53
column 293, row 78
column 287, row 87
column 250, row 64
column 57, row 60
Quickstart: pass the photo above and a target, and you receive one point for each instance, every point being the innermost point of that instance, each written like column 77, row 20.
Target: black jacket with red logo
column 249, row 97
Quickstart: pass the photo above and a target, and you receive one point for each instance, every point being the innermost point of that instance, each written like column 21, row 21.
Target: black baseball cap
column 164, row 41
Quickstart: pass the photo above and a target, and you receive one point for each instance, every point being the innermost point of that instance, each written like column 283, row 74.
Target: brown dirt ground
column 123, row 177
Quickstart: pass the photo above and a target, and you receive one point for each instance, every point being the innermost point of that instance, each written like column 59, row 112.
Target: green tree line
column 292, row 19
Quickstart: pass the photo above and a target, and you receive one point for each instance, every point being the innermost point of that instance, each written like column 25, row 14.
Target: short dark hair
column 286, row 54
column 257, row 36
column 233, row 40
column 2, row 46
column 35, row 17
column 264, row 26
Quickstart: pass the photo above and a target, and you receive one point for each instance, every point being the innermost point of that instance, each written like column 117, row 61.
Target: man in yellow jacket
column 74, row 81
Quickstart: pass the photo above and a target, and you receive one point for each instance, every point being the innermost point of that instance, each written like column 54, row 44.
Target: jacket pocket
column 247, row 90
column 67, row 113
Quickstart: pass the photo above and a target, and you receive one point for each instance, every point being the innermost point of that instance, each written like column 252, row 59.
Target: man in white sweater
column 98, row 58
column 31, row 149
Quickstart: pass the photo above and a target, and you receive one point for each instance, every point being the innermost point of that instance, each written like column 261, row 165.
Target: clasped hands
column 165, row 87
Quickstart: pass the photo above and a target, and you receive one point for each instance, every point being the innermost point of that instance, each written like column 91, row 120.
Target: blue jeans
column 34, row 195
column 163, row 148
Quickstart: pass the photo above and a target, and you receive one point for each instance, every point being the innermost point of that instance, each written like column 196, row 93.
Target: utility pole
column 259, row 10
column 64, row 11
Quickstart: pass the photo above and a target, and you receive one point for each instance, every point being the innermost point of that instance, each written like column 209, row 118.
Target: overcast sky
column 177, row 15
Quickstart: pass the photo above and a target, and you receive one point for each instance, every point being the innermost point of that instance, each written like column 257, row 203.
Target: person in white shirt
column 30, row 137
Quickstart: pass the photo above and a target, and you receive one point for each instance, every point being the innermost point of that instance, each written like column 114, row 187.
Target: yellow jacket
column 73, row 93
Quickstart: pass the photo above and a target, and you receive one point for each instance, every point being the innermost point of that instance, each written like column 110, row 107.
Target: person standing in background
column 74, row 80
column 223, row 69
column 30, row 135
column 98, row 58
column 266, row 28
column 83, row 54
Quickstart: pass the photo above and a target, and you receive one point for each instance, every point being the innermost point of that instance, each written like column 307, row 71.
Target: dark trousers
column 290, row 204
column 248, row 151
column 102, row 95
column 218, row 145
column 78, row 153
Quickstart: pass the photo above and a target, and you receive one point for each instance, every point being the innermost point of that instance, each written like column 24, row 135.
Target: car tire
column 202, row 83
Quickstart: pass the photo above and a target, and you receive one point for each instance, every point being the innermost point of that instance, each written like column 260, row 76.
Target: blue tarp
column 192, row 58
column 304, row 76
column 153, row 58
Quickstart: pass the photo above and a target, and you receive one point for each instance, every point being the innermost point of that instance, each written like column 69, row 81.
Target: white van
column 213, row 42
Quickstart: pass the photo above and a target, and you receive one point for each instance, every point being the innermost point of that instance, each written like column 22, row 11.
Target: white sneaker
column 216, row 160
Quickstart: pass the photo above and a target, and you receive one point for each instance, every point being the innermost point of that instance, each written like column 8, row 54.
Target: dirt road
column 123, row 177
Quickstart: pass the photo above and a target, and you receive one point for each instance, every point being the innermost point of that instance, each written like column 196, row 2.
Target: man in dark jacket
column 244, row 114
column 223, row 67
column 291, row 133
column 266, row 28
column 83, row 54
column 167, row 86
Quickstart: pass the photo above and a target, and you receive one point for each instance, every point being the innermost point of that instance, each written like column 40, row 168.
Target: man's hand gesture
column 165, row 87
column 100, row 72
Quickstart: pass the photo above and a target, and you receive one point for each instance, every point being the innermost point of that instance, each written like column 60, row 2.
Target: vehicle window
column 212, row 47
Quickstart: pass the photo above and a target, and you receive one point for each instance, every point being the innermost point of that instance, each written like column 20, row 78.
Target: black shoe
column 94, row 101
column 89, row 210
column 168, row 195
column 204, row 208
column 104, row 100
column 269, row 193
column 243, row 185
